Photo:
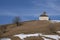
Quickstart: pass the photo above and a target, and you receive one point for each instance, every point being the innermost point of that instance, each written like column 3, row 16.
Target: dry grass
column 32, row 27
column 33, row 38
column 15, row 38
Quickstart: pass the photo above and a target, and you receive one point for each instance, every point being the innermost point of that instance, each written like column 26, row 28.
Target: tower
column 44, row 16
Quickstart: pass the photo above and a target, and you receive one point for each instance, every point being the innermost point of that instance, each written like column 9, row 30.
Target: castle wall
column 43, row 18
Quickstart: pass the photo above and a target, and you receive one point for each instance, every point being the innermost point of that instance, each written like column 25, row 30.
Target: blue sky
column 28, row 9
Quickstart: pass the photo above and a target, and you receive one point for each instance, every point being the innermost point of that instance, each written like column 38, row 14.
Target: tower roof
column 44, row 14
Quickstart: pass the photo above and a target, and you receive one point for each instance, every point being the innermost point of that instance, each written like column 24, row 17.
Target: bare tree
column 17, row 21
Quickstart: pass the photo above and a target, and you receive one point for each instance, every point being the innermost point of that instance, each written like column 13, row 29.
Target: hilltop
column 31, row 27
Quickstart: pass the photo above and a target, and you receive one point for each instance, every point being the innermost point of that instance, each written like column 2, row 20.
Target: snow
column 5, row 39
column 58, row 31
column 22, row 36
column 45, row 38
column 52, row 36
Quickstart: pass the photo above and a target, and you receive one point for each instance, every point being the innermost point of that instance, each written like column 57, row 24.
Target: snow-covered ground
column 5, row 39
column 58, row 31
column 56, row 37
column 22, row 36
column 45, row 37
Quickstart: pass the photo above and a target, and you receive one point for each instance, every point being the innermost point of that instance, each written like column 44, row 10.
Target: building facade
column 44, row 16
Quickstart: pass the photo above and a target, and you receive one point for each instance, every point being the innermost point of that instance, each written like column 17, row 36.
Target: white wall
column 43, row 18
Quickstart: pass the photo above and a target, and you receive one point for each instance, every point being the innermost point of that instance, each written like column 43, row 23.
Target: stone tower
column 44, row 16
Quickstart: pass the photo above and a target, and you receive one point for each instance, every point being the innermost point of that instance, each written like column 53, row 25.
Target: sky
column 28, row 9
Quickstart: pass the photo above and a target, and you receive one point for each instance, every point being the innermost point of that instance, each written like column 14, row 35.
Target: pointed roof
column 44, row 15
